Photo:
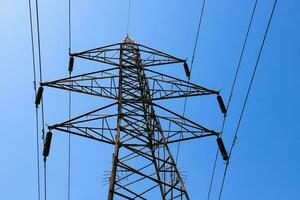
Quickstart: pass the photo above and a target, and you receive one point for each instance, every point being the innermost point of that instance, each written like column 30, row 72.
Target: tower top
column 128, row 40
column 110, row 54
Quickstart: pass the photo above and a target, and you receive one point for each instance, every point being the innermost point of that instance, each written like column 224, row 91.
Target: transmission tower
column 139, row 129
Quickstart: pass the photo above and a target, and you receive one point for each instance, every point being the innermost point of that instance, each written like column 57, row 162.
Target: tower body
column 143, row 166
column 139, row 129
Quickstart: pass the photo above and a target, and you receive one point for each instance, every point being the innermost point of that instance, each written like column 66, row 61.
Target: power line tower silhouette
column 140, row 129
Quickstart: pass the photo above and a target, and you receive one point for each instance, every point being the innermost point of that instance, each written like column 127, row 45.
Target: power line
column 36, row 108
column 69, row 136
column 45, row 180
column 32, row 45
column 40, row 64
column 197, row 35
column 69, row 147
column 247, row 96
column 38, row 37
column 231, row 93
column 41, row 80
column 70, row 36
column 128, row 17
column 191, row 68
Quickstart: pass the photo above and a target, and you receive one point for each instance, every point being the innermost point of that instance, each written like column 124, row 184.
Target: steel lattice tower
column 139, row 128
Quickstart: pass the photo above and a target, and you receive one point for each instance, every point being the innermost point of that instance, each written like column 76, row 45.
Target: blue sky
column 265, row 163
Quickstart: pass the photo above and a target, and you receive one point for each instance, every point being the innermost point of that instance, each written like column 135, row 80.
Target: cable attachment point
column 221, row 104
column 39, row 96
column 71, row 64
column 47, row 145
column 222, row 149
column 186, row 69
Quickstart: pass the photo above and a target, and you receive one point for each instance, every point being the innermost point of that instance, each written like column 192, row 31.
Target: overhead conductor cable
column 70, row 69
column 36, row 108
column 248, row 93
column 188, row 70
column 231, row 94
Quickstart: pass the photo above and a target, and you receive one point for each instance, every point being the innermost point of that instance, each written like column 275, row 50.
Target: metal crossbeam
column 110, row 55
column 104, row 83
column 177, row 128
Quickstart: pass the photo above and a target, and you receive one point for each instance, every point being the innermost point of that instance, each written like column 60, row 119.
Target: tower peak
column 128, row 39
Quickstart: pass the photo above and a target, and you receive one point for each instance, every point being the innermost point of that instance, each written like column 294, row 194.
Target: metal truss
column 139, row 128
column 100, row 125
column 111, row 54
column 104, row 83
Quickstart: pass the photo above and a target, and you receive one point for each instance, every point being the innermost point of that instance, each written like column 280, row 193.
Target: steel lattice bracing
column 143, row 166
column 104, row 83
column 110, row 55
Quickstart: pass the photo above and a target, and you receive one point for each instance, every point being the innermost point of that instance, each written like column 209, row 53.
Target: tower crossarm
column 104, row 83
column 162, row 86
column 110, row 55
column 178, row 128
column 96, row 125
column 99, row 125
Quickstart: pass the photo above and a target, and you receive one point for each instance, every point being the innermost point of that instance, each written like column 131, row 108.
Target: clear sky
column 265, row 163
